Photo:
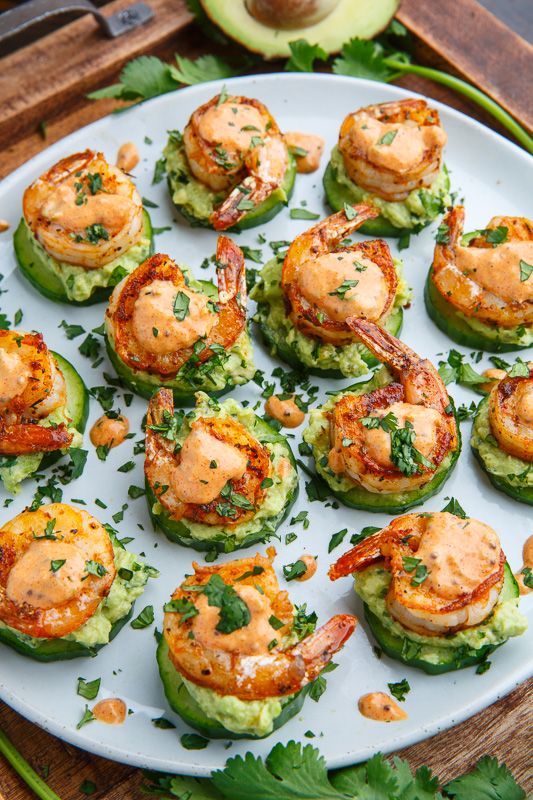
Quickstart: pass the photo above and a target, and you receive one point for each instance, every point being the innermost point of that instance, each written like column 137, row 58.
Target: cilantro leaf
column 487, row 781
column 204, row 68
column 526, row 270
column 455, row 507
column 291, row 772
column 304, row 55
column 141, row 78
column 400, row 689
column 363, row 59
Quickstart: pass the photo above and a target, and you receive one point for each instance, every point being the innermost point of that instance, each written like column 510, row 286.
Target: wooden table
column 503, row 730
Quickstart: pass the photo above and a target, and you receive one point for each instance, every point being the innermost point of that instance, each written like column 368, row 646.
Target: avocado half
column 348, row 19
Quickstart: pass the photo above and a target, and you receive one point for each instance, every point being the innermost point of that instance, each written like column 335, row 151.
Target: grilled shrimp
column 511, row 415
column 215, row 478
column 390, row 149
column 234, row 144
column 325, row 283
column 84, row 211
column 46, row 587
column 447, row 572
column 248, row 662
column 157, row 321
column 362, row 427
column 31, row 387
column 485, row 280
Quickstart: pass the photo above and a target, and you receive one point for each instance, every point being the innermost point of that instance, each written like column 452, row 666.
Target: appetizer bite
column 83, row 229
column 236, row 658
column 163, row 328
column 231, row 167
column 218, row 478
column 389, row 443
column 43, row 406
column 390, row 155
column 479, row 289
column 502, row 434
column 305, row 300
column 438, row 593
column 67, row 586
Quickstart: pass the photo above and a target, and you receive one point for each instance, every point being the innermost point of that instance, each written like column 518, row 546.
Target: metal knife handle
column 18, row 19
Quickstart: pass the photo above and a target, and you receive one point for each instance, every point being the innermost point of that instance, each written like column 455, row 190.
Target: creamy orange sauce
column 224, row 125
column 155, row 324
column 32, row 580
column 380, row 707
column 424, row 421
column 458, row 553
column 206, row 465
column 524, row 402
column 4, row 225
column 497, row 269
column 251, row 639
column 311, row 566
column 406, row 150
column 320, row 279
column 111, row 711
column 109, row 432
column 112, row 211
column 312, row 144
column 127, row 157
column 494, row 375
column 285, row 411
column 14, row 376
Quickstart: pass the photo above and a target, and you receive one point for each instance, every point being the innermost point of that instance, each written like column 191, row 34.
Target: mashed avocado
column 24, row 466
column 351, row 360
column 517, row 472
column 78, row 283
column 520, row 335
column 418, row 209
column 251, row 717
column 235, row 367
column 277, row 497
column 505, row 621
column 196, row 201
column 117, row 605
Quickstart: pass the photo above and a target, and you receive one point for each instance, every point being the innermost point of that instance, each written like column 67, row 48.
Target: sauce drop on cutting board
column 285, row 411
column 380, row 707
column 111, row 711
column 108, row 431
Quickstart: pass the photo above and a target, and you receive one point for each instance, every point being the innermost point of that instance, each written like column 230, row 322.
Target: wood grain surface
column 505, row 729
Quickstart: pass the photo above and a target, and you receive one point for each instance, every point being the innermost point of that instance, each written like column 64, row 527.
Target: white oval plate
column 496, row 178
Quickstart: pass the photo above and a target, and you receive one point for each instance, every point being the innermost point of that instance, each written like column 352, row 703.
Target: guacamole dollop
column 505, row 621
column 79, row 283
column 516, row 471
column 520, row 335
column 351, row 359
column 419, row 208
column 278, row 495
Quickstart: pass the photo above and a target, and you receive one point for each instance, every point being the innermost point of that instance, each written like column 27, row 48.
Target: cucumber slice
column 453, row 658
column 47, row 650
column 524, row 494
column 394, row 503
column 454, row 325
column 181, row 531
column 36, row 271
column 188, row 709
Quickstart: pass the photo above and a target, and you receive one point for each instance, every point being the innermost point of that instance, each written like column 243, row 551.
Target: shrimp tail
column 331, row 230
column 358, row 558
column 25, row 438
column 383, row 345
column 160, row 412
column 231, row 272
column 319, row 648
